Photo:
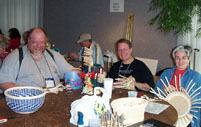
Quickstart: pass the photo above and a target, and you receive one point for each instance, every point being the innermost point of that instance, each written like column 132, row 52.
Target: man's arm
column 9, row 70
column 7, row 85
column 73, row 56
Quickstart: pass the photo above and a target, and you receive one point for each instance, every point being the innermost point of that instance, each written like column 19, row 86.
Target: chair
column 151, row 64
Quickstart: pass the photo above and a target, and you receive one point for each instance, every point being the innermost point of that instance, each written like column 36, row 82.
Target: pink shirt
column 13, row 44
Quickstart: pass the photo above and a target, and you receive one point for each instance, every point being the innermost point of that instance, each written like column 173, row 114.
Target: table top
column 55, row 111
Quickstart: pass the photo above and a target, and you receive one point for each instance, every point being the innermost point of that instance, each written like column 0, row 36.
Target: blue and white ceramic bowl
column 25, row 100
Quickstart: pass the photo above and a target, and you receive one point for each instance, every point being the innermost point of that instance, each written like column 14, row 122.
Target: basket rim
column 23, row 87
column 116, row 101
column 184, row 96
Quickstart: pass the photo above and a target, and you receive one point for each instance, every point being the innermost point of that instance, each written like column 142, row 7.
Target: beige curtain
column 191, row 39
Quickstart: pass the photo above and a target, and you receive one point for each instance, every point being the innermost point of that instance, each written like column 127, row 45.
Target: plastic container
column 73, row 79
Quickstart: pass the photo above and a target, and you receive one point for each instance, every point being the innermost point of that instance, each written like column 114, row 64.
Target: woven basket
column 131, row 108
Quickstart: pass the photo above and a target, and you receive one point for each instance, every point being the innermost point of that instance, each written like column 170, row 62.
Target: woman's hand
column 125, row 83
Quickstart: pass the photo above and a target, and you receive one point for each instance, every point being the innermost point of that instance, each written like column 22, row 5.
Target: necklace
column 43, row 79
column 39, row 70
column 125, row 72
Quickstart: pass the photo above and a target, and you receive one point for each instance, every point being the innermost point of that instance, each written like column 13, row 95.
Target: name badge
column 49, row 82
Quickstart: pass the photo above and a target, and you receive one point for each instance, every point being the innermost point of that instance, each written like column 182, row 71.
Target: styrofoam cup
column 108, row 82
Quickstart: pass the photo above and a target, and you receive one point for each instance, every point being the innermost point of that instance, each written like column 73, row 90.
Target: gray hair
column 186, row 48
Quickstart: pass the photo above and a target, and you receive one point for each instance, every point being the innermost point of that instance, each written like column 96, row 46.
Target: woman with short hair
column 181, row 76
column 14, row 39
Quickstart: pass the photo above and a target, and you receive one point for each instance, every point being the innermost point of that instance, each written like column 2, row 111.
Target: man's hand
column 87, row 57
column 7, row 85
column 170, row 89
column 88, row 60
column 101, row 77
column 87, row 52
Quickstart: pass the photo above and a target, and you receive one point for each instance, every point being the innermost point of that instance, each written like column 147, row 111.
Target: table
column 56, row 111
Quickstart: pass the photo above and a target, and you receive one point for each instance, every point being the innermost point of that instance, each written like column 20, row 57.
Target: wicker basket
column 131, row 108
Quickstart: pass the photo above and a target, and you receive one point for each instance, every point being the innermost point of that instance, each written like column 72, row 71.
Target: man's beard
column 37, row 54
